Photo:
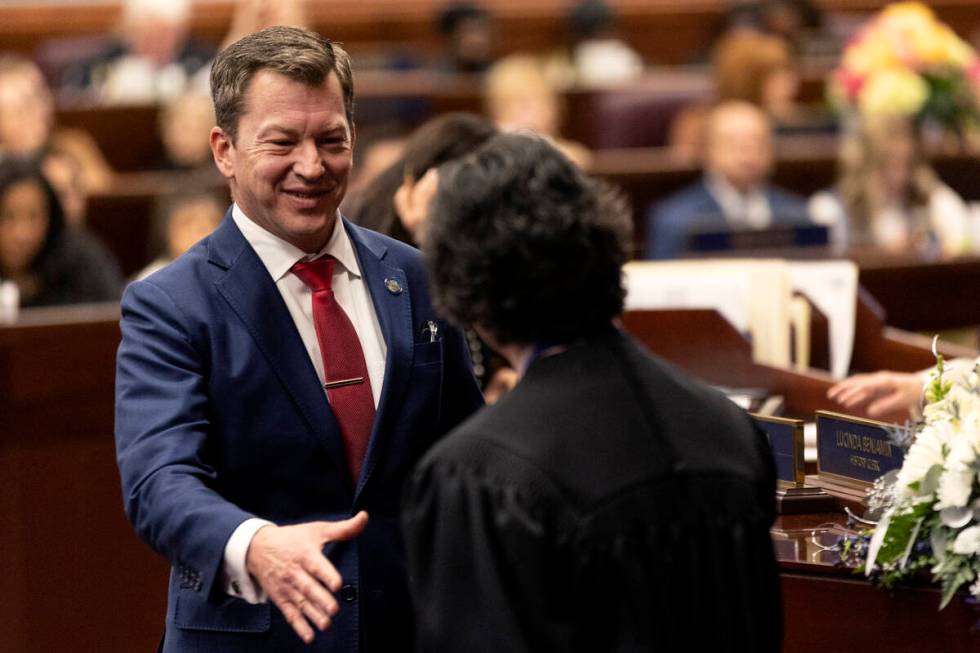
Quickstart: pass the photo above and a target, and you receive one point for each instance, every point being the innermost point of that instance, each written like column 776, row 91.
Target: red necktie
column 347, row 383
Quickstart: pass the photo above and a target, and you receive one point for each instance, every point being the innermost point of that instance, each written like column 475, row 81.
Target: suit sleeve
column 162, row 429
column 665, row 232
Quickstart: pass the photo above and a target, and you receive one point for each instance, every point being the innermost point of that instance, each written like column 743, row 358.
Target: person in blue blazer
column 734, row 193
column 271, row 483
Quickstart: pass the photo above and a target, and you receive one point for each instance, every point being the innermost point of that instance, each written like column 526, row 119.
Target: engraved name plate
column 854, row 450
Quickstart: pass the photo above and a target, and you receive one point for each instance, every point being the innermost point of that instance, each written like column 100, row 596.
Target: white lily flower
column 968, row 541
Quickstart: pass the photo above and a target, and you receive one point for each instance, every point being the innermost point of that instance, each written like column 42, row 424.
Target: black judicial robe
column 608, row 503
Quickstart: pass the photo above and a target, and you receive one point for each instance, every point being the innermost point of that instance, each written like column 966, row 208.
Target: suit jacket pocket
column 427, row 353
column 194, row 612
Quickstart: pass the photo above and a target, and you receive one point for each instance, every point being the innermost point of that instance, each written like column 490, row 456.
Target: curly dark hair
column 523, row 244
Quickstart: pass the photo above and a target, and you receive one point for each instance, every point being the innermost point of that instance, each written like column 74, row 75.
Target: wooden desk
column 828, row 607
column 925, row 296
column 707, row 345
column 75, row 577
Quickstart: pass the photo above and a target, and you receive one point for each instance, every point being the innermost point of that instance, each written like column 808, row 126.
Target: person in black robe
column 609, row 502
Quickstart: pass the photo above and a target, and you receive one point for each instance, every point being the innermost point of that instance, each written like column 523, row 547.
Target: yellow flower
column 873, row 52
column 957, row 51
column 906, row 16
column 893, row 91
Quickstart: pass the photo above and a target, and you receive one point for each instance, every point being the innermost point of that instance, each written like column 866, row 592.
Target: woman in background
column 439, row 140
column 396, row 204
column 49, row 261
column 888, row 197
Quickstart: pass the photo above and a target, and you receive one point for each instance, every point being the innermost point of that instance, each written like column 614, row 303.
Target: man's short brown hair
column 299, row 54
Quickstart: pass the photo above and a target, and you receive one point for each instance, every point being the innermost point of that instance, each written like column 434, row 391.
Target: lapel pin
column 393, row 286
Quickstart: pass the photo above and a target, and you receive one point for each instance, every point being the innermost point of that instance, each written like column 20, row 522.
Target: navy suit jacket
column 220, row 417
column 695, row 209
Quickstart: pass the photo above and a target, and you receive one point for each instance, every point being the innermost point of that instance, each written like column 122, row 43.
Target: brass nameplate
column 786, row 440
column 853, row 450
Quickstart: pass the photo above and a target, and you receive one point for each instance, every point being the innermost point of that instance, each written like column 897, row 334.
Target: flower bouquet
column 932, row 521
column 906, row 62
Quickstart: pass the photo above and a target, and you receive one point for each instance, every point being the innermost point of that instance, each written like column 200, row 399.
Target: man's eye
column 282, row 143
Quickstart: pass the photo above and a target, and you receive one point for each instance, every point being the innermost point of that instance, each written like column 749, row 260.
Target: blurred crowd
column 747, row 98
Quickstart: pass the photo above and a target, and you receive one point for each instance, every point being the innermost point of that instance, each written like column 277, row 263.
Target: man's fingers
column 316, row 595
column 324, row 571
column 295, row 618
column 344, row 530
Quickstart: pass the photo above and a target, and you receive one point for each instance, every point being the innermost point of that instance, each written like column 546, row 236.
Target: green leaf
column 952, row 582
column 901, row 533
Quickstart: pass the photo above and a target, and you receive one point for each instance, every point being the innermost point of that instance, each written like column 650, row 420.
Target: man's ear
column 221, row 149
column 353, row 142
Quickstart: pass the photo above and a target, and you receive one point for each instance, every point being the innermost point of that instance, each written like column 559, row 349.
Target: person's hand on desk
column 288, row 562
column 890, row 396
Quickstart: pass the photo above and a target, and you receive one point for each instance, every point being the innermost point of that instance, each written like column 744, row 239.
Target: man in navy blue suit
column 734, row 193
column 276, row 384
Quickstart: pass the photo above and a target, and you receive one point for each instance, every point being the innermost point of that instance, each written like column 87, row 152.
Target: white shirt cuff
column 235, row 578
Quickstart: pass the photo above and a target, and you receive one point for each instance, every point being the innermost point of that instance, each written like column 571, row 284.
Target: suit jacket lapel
column 253, row 296
column 390, row 294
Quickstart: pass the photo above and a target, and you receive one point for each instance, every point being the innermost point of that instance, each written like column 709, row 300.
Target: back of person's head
column 738, row 145
column 31, row 218
column 518, row 95
column 26, row 107
column 524, row 245
column 298, row 54
column 744, row 61
column 441, row 139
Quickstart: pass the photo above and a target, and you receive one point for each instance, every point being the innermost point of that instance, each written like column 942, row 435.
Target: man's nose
column 308, row 163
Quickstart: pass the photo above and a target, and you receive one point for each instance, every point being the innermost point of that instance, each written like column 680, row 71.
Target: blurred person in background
column 50, row 261
column 153, row 57
column 253, row 15
column 609, row 501
column 396, row 204
column 27, row 130
column 887, row 196
column 179, row 222
column 439, row 140
column 518, row 96
column 469, row 37
column 599, row 55
column 755, row 67
column 735, row 192
column 185, row 129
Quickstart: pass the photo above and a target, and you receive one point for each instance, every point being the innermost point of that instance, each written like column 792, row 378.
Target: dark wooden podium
column 75, row 577
column 827, row 607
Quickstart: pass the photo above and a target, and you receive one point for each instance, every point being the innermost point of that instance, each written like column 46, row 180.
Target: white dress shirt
column 278, row 257
column 742, row 210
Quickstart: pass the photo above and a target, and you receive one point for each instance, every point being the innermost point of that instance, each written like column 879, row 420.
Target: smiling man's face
column 289, row 163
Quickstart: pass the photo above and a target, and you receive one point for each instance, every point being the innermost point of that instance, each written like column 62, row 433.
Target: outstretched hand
column 288, row 562
column 891, row 396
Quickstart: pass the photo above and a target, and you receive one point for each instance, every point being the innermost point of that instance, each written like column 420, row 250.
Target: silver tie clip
column 340, row 384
